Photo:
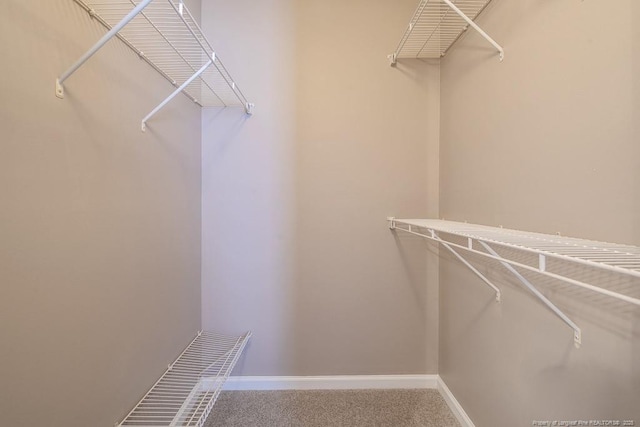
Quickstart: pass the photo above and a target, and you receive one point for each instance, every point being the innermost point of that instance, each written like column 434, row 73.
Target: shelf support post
column 577, row 333
column 96, row 47
column 476, row 27
column 174, row 93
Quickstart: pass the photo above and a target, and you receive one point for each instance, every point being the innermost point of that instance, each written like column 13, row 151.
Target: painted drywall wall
column 295, row 242
column 99, row 223
column 546, row 141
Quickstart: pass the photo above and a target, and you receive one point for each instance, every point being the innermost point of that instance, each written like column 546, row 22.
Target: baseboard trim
column 457, row 409
column 351, row 382
column 339, row 382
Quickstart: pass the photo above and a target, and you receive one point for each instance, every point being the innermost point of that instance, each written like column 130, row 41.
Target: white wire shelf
column 165, row 34
column 187, row 391
column 436, row 25
column 543, row 254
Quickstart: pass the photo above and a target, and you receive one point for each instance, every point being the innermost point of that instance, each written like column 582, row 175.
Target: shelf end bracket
column 477, row 28
column 96, row 47
column 59, row 89
column 577, row 333
column 434, row 236
column 392, row 222
column 174, row 94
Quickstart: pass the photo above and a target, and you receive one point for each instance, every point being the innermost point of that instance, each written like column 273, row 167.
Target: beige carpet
column 345, row 408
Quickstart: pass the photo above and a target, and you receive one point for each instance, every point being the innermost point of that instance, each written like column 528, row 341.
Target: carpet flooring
column 340, row 408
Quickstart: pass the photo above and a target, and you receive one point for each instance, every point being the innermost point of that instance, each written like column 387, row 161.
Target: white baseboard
column 457, row 409
column 339, row 382
column 352, row 382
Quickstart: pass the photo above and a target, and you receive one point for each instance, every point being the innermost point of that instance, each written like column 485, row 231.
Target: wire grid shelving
column 436, row 25
column 187, row 391
column 165, row 34
column 543, row 254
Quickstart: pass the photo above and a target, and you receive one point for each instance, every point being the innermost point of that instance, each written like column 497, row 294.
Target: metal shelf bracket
column 434, row 29
column 577, row 333
column 168, row 38
column 481, row 241
column 434, row 236
column 477, row 28
column 175, row 93
column 96, row 47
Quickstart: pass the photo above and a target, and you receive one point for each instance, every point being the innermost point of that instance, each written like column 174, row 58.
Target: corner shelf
column 543, row 254
column 187, row 391
column 165, row 35
column 436, row 25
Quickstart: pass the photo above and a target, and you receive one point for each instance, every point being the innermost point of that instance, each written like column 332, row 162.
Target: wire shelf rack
column 187, row 391
column 436, row 25
column 542, row 254
column 165, row 34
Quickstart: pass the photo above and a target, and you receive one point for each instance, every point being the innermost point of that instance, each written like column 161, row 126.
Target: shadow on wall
column 416, row 70
column 412, row 251
column 535, row 348
column 584, row 306
column 222, row 126
column 246, row 213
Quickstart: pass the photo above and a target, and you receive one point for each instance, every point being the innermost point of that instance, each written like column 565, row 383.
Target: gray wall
column 99, row 223
column 545, row 141
column 295, row 243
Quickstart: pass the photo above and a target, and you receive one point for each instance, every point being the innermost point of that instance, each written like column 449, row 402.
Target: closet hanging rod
column 164, row 34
